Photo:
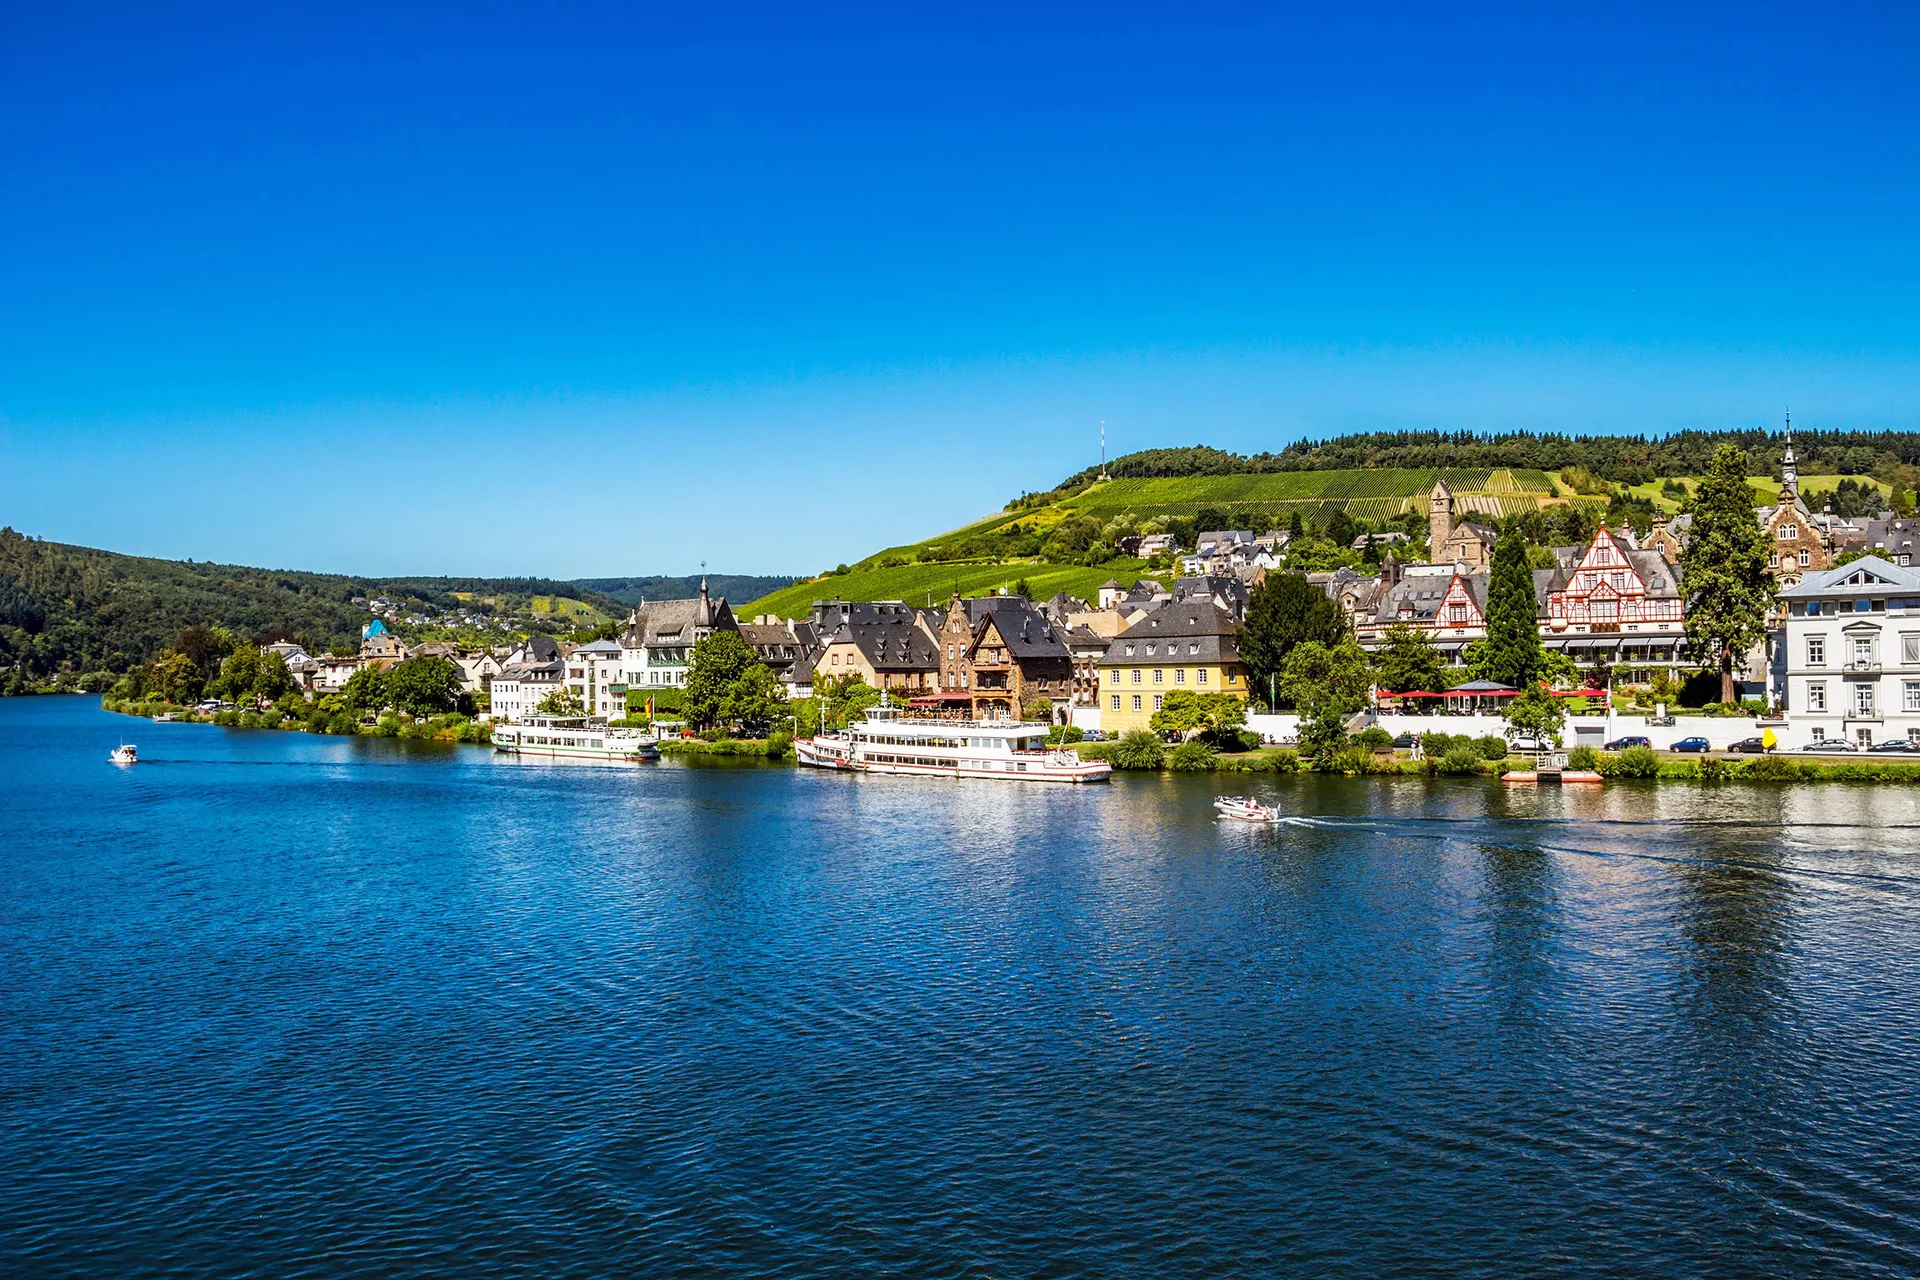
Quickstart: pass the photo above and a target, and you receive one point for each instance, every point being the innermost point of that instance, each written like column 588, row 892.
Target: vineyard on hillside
column 1316, row 495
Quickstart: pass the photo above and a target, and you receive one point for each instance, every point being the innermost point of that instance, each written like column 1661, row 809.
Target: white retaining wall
column 1592, row 730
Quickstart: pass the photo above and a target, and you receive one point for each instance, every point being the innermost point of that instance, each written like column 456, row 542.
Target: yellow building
column 1191, row 645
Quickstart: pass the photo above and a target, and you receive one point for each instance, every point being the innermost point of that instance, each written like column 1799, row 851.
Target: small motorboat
column 1246, row 809
column 124, row 754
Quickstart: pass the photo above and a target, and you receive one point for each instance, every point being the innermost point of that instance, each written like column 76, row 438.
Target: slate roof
column 1023, row 627
column 1894, row 537
column 1889, row 579
column 1421, row 594
column 1191, row 623
column 888, row 634
column 677, row 622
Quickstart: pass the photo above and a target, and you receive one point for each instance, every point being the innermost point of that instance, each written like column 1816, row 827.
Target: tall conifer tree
column 1511, row 652
column 1724, row 569
column 1286, row 610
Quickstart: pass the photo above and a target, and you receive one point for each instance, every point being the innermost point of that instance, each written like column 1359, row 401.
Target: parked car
column 1750, row 746
column 1094, row 735
column 1525, row 743
column 1631, row 740
column 1406, row 742
column 1896, row 744
column 1828, row 744
column 1690, row 744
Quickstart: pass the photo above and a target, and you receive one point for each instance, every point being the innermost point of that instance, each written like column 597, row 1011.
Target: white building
column 658, row 643
column 1853, row 652
column 596, row 674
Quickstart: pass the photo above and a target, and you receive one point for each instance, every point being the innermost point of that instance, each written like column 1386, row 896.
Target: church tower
column 1789, row 469
column 1439, row 518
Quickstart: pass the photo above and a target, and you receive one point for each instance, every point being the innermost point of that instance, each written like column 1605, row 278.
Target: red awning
column 1578, row 693
column 1414, row 693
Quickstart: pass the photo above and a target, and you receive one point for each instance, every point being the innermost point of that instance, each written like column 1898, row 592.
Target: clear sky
column 580, row 290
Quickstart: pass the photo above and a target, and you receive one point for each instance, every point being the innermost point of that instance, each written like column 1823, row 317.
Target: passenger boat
column 125, row 753
column 575, row 737
column 1009, row 750
column 1245, row 808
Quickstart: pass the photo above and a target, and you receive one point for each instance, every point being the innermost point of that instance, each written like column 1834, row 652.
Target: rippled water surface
column 278, row 1005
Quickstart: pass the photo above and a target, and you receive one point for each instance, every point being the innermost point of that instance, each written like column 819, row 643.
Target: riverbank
column 452, row 727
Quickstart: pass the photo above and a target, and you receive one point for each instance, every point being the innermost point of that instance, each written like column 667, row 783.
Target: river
column 275, row 1004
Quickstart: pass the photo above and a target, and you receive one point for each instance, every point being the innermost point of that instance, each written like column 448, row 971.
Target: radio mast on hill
column 1103, row 449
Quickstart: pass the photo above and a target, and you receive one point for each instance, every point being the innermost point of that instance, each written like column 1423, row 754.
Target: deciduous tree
column 428, row 686
column 1409, row 662
column 1327, row 683
column 1191, row 714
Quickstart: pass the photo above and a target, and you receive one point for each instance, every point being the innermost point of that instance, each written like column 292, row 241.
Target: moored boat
column 1007, row 750
column 573, row 737
column 1246, row 809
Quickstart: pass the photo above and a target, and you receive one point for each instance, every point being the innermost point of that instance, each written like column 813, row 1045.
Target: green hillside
column 930, row 584
column 1024, row 541
column 65, row 610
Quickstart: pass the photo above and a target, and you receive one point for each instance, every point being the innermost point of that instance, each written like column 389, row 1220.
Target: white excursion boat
column 575, row 737
column 125, row 753
column 887, row 742
column 1245, row 808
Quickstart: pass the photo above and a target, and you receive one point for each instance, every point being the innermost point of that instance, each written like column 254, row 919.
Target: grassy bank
column 777, row 747
column 446, row 728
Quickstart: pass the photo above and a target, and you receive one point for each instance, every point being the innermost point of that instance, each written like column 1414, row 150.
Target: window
column 1116, row 680
column 1200, row 677
column 1912, row 699
column 1816, row 651
column 1179, row 675
column 1136, row 702
column 1157, row 700
column 1233, row 676
column 1773, row 560
column 1863, row 698
column 1157, row 674
column 1910, row 647
column 1806, row 557
column 1817, row 696
column 1136, row 675
column 1195, row 648
column 1116, row 702
column 1863, row 653
column 1789, row 532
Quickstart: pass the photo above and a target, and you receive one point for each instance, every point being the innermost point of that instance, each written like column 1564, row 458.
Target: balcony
column 1863, row 667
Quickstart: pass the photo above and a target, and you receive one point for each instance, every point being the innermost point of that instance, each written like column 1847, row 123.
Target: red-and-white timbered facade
column 1605, row 591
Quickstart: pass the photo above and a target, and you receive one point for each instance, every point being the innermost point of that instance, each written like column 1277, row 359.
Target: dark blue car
column 1690, row 744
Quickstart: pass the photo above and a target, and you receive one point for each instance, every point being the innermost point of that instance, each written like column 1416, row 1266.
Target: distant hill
column 632, row 591
column 68, row 608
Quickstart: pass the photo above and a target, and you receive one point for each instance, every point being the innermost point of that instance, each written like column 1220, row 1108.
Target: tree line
column 1625, row 459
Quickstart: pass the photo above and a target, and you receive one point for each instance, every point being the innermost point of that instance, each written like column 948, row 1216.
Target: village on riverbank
column 1715, row 644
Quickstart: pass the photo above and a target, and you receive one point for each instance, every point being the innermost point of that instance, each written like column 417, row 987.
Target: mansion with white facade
column 1853, row 651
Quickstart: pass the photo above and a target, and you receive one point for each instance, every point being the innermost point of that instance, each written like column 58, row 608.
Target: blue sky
column 586, row 290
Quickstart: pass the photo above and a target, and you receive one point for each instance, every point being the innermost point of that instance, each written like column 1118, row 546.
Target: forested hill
column 736, row 587
column 76, row 609
column 1621, row 459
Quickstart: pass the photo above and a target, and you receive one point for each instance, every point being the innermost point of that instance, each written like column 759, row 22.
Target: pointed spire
column 1789, row 468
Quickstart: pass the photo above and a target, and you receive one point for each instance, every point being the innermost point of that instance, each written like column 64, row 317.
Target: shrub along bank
column 299, row 715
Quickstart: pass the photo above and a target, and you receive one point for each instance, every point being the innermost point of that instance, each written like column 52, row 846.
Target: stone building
column 1452, row 539
column 1190, row 644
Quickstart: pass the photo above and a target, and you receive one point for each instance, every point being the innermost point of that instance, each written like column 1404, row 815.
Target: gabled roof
column 1024, row 628
column 1190, row 622
column 1868, row 576
column 888, row 634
